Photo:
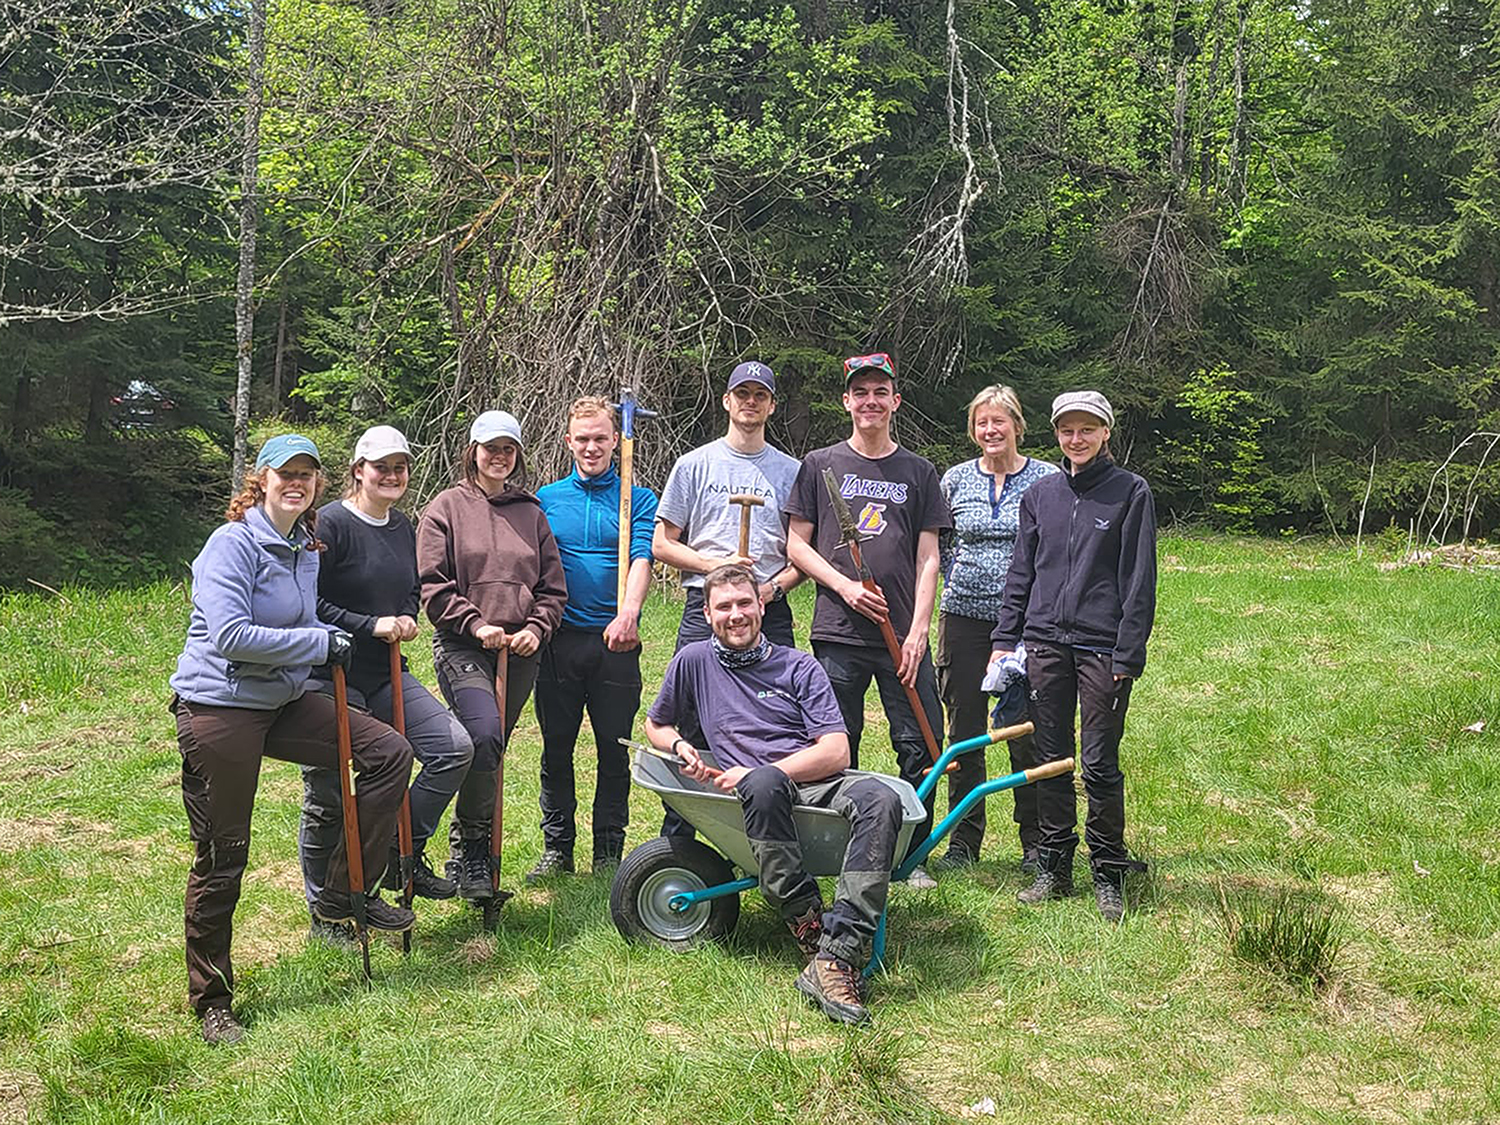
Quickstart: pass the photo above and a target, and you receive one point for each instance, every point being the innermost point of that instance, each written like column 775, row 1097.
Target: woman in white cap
column 984, row 496
column 240, row 694
column 492, row 578
column 1081, row 592
column 368, row 586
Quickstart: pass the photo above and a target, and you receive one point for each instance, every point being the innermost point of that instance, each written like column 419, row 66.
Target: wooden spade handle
column 1049, row 769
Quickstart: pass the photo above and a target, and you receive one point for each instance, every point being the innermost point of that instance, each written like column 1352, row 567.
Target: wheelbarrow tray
column 824, row 834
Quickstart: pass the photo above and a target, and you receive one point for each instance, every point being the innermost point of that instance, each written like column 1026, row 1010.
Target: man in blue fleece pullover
column 593, row 660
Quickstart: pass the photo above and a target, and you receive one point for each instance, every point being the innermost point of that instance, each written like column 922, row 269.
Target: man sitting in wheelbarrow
column 772, row 722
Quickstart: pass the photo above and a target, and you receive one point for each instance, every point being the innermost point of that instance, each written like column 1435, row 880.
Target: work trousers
column 578, row 672
column 963, row 653
column 873, row 810
column 1065, row 680
column 466, row 675
column 775, row 626
column 222, row 748
column 850, row 669
column 439, row 742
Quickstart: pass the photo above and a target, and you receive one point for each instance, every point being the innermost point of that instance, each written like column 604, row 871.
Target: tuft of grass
column 1293, row 933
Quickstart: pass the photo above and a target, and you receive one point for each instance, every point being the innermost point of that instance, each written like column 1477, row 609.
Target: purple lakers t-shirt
column 753, row 716
column 893, row 499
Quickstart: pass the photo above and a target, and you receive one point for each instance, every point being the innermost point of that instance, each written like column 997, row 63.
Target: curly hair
column 253, row 492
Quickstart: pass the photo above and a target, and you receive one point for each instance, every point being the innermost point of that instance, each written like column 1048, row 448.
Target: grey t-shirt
column 753, row 716
column 696, row 499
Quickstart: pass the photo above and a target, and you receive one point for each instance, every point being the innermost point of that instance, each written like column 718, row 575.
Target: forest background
column 1269, row 230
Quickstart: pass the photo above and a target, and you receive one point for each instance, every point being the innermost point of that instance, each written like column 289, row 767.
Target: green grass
column 1299, row 730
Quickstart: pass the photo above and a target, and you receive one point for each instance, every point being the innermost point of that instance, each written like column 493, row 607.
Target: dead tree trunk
column 244, row 290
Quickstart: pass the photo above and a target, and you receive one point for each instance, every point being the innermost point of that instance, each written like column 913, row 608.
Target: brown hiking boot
column 834, row 987
column 807, row 929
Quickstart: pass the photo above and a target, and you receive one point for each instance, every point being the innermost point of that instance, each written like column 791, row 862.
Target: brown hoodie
column 489, row 561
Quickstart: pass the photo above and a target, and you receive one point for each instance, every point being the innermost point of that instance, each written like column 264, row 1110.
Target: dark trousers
column 439, row 742
column 874, row 813
column 222, row 748
column 850, row 669
column 1065, row 680
column 466, row 676
column 963, row 653
column 578, row 672
column 776, row 625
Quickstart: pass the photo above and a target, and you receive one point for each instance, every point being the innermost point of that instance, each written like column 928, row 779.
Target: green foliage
column 1292, row 933
column 1215, row 454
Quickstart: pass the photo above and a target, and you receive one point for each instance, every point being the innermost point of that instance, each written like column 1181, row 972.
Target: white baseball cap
column 494, row 424
column 1090, row 402
column 378, row 442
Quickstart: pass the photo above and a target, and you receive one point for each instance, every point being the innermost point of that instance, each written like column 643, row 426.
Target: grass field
column 1300, row 728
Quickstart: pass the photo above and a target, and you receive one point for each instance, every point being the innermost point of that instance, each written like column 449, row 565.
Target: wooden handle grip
column 1050, row 769
column 1005, row 734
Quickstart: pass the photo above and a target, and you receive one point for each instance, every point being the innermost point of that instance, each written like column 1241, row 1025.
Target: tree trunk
column 280, row 353
column 1237, row 145
column 244, row 290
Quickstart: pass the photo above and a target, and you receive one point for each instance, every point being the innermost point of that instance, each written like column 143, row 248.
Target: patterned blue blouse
column 986, row 516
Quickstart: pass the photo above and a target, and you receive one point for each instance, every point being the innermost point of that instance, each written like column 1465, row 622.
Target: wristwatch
column 777, row 593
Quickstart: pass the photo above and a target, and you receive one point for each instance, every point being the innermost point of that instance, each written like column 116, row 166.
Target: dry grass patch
column 20, row 1094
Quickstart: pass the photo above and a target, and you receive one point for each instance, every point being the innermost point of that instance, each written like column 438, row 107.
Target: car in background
column 143, row 407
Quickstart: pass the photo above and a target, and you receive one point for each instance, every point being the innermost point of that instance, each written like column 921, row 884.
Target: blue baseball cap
column 282, row 448
column 752, row 372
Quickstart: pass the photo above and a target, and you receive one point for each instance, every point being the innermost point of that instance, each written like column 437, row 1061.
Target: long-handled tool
column 849, row 531
column 675, row 759
column 408, row 862
column 747, row 504
column 630, row 410
column 354, row 855
column 498, row 897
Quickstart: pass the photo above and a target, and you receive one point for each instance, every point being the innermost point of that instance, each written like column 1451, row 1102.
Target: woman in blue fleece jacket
column 240, row 694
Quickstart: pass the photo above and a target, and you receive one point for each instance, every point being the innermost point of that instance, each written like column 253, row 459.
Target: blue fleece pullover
column 254, row 633
column 585, row 516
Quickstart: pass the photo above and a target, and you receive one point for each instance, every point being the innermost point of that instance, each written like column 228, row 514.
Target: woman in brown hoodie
column 491, row 579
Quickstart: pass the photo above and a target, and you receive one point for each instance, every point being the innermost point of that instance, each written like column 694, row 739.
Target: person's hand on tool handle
column 524, row 641
column 390, row 629
column 490, row 636
column 862, row 599
column 622, row 634
column 713, row 562
column 912, row 651
column 730, row 778
column 692, row 764
column 340, row 648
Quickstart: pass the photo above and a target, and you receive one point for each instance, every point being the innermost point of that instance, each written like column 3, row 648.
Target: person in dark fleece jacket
column 368, row 585
column 492, row 578
column 1081, row 592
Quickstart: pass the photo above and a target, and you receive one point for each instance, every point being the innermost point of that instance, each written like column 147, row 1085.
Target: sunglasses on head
column 879, row 361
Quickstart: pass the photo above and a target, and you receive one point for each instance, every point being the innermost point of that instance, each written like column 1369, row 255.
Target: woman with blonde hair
column 984, row 496
column 240, row 694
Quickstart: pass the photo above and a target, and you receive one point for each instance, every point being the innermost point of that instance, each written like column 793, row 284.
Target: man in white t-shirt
column 698, row 529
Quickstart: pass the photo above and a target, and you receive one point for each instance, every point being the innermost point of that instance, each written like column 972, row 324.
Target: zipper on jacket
column 1072, row 519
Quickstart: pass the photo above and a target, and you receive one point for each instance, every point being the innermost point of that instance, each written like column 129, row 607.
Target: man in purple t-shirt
column 769, row 716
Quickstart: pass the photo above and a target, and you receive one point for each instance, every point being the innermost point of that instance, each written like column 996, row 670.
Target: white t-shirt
column 696, row 499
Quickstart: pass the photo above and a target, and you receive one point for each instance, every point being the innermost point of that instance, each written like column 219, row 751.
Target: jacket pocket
column 502, row 602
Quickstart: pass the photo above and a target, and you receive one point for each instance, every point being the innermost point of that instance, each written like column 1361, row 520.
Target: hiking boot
column 473, row 870
column 553, row 862
column 1030, row 865
column 807, row 929
column 337, row 935
column 835, row 987
column 425, row 882
column 920, row 880
column 220, row 1027
column 1109, row 894
column 605, row 863
column 1054, row 877
column 338, row 906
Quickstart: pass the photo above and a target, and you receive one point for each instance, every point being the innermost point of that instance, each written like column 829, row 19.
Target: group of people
column 283, row 592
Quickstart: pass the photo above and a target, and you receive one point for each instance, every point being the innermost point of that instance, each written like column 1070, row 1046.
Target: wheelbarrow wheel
column 651, row 874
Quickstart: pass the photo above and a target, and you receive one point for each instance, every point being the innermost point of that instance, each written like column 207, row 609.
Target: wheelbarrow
column 677, row 892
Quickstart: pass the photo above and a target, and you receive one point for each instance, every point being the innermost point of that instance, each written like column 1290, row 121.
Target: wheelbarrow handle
column 1049, row 769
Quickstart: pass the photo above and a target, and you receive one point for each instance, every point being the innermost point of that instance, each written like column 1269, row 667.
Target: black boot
column 1054, row 878
column 1109, row 893
column 474, row 870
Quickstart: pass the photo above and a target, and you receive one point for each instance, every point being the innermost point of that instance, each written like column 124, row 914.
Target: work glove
column 340, row 648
